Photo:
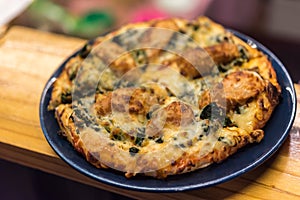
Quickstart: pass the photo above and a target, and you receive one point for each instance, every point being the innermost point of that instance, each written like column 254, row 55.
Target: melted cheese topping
column 145, row 109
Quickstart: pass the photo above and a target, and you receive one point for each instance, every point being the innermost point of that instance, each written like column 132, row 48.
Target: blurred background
column 274, row 23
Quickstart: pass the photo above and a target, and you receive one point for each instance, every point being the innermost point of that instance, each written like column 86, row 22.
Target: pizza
column 164, row 97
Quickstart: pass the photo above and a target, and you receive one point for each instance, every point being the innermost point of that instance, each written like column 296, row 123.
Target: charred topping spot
column 139, row 140
column 182, row 31
column 99, row 90
column 221, row 38
column 96, row 128
column 243, row 52
column 254, row 69
column 107, row 128
column 72, row 76
column 238, row 62
column 182, row 145
column 190, row 163
column 149, row 115
column 133, row 151
column 249, row 100
column 196, row 27
column 170, row 93
column 228, row 122
column 212, row 111
column 140, row 56
column 150, row 137
column 143, row 88
column 151, row 91
column 273, row 94
column 173, row 163
column 270, row 74
column 139, row 52
column 72, row 118
column 215, row 113
column 84, row 52
column 117, row 137
column 200, row 137
column 223, row 68
column 66, row 97
column 118, row 40
column 193, row 25
column 117, row 134
column 237, row 110
column 159, row 140
column 206, row 129
column 220, row 139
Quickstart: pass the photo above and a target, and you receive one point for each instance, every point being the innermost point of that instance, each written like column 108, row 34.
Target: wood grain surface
column 29, row 57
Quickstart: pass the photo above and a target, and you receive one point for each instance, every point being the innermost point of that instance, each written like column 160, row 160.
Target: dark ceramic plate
column 276, row 131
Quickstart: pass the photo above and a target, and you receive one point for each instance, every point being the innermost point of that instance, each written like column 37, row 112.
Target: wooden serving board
column 29, row 57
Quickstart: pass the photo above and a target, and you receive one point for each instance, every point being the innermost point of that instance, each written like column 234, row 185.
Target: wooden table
column 29, row 57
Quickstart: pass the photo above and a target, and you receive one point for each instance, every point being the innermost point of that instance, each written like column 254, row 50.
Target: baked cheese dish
column 164, row 97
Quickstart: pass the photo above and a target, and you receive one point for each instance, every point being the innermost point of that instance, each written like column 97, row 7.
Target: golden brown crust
column 103, row 104
column 223, row 52
column 240, row 86
column 222, row 149
column 167, row 124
